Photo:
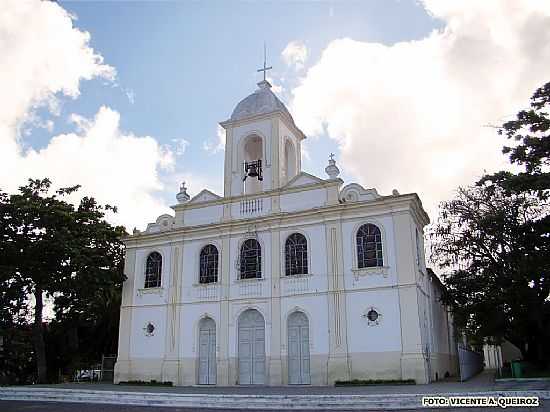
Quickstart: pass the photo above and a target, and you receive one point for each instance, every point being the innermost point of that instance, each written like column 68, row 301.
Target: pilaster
column 228, row 169
column 222, row 361
column 275, row 363
column 124, row 336
column 413, row 365
column 275, row 154
column 123, row 364
column 170, row 367
column 338, row 362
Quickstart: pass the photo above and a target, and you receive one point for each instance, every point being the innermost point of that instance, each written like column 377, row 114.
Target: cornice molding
column 407, row 203
column 270, row 193
column 288, row 121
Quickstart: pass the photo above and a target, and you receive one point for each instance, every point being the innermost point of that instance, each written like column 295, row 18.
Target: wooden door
column 251, row 348
column 298, row 349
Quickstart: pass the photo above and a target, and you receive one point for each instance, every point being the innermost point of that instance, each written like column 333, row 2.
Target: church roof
column 262, row 101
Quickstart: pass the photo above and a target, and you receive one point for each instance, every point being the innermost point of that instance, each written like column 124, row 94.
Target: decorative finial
column 332, row 170
column 265, row 68
column 182, row 196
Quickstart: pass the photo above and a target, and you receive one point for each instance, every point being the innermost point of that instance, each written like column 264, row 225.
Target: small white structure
column 286, row 279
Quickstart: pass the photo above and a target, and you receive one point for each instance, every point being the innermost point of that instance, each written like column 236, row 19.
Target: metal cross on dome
column 265, row 69
column 331, row 157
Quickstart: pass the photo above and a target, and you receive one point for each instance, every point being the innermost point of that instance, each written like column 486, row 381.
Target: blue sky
column 103, row 93
column 189, row 63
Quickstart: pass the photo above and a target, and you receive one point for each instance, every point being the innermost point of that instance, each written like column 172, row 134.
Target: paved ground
column 482, row 382
column 22, row 406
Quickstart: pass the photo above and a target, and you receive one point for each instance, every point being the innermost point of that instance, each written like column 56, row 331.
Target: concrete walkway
column 481, row 383
column 254, row 397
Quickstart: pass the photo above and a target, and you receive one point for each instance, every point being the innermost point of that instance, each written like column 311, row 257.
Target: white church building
column 288, row 278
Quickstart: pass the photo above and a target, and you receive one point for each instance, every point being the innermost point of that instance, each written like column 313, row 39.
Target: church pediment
column 204, row 196
column 355, row 192
column 303, row 179
column 163, row 223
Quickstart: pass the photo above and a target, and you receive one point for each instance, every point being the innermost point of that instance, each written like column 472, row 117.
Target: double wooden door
column 251, row 348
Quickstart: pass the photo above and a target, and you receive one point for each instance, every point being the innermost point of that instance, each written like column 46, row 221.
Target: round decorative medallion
column 149, row 329
column 373, row 316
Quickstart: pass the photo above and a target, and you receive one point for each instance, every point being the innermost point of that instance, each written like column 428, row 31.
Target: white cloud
column 215, row 145
column 114, row 166
column 44, row 58
column 275, row 87
column 412, row 115
column 295, row 54
column 130, row 95
column 42, row 54
column 180, row 145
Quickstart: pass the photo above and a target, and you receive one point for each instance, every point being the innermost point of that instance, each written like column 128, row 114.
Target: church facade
column 287, row 279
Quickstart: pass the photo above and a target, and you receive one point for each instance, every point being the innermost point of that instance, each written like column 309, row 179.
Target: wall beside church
column 444, row 357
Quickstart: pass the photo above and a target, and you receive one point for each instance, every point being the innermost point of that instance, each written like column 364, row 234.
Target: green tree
column 52, row 249
column 529, row 135
column 496, row 266
column 493, row 241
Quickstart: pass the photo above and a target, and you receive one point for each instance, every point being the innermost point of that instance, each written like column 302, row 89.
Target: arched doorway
column 251, row 348
column 207, row 352
column 298, row 349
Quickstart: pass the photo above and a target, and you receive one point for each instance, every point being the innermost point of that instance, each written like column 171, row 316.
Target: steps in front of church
column 197, row 401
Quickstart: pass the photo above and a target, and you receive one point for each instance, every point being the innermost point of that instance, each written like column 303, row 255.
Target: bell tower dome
column 263, row 144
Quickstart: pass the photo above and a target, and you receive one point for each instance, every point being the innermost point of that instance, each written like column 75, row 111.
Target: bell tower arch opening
column 253, row 163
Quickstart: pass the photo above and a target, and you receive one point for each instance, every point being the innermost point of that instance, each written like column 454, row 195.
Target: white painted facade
column 309, row 328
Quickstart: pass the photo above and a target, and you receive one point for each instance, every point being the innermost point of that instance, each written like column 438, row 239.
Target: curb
column 522, row 379
column 215, row 401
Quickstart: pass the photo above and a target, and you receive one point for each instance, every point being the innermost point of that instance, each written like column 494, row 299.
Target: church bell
column 253, row 169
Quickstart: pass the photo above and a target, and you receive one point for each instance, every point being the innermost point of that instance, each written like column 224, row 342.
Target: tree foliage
column 529, row 148
column 497, row 265
column 493, row 241
column 52, row 249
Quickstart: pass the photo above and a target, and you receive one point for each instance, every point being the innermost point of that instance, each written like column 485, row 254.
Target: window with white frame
column 369, row 246
column 251, row 259
column 208, row 264
column 296, row 255
column 153, row 270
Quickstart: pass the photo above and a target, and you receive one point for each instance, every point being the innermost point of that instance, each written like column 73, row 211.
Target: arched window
column 296, row 255
column 208, row 264
column 369, row 246
column 153, row 270
column 251, row 259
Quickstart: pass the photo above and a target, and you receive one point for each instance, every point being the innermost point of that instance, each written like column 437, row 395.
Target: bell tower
column 263, row 144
